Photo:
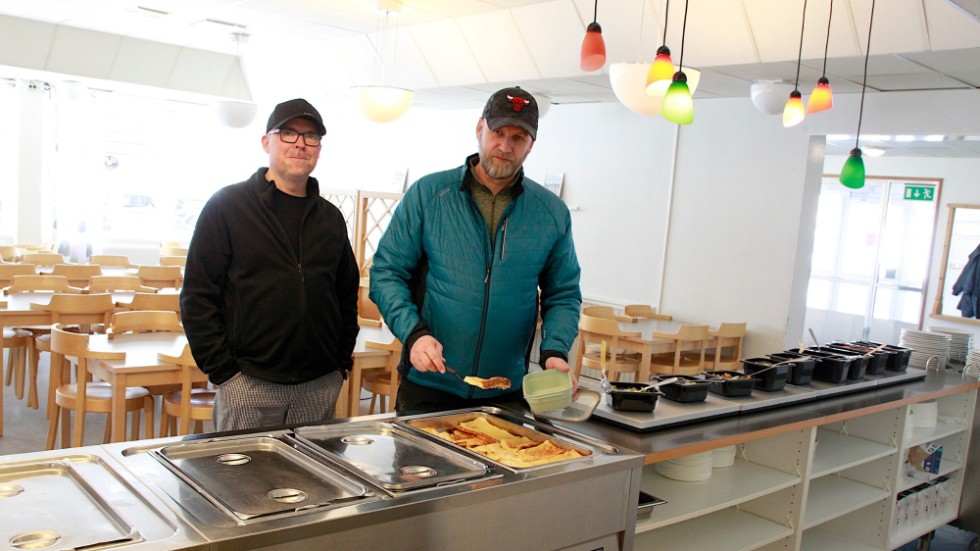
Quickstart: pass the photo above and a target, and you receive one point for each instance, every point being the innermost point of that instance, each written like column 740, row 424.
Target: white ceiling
column 453, row 52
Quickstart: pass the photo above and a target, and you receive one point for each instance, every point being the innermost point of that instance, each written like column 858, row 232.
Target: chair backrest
column 172, row 250
column 142, row 321
column 153, row 301
column 117, row 260
column 103, row 283
column 67, row 343
column 644, row 311
column 603, row 327
column 160, row 277
column 728, row 339
column 68, row 308
column 77, row 274
column 43, row 259
column 688, row 349
column 8, row 253
column 597, row 330
column 729, row 330
column 173, row 260
column 8, row 271
column 607, row 312
column 31, row 283
column 184, row 359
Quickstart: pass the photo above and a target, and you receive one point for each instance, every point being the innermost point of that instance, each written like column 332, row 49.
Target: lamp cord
column 864, row 83
column 826, row 45
column 680, row 62
column 666, row 20
column 595, row 12
column 799, row 56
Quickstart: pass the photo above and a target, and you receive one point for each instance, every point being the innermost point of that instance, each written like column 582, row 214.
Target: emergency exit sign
column 920, row 193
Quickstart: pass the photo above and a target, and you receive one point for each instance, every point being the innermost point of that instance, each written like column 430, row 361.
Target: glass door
column 870, row 260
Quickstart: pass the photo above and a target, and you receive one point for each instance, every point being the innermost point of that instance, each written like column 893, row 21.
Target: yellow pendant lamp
column 662, row 69
column 794, row 111
column 822, row 98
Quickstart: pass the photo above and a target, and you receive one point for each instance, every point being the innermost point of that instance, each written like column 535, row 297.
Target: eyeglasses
column 288, row 135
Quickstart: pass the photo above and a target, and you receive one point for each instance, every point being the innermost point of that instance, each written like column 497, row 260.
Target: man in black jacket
column 269, row 301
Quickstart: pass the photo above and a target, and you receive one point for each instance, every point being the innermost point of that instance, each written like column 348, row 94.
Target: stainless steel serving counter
column 193, row 493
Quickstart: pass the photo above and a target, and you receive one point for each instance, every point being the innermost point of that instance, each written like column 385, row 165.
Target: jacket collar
column 266, row 189
column 468, row 180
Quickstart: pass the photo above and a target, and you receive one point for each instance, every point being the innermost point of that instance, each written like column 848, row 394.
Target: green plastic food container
column 547, row 390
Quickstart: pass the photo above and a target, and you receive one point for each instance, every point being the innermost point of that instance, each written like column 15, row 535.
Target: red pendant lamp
column 794, row 111
column 593, row 47
column 822, row 98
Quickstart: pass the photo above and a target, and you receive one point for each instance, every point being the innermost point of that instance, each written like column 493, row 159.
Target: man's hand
column 426, row 355
column 555, row 362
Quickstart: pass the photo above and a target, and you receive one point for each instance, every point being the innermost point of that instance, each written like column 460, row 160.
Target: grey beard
column 498, row 173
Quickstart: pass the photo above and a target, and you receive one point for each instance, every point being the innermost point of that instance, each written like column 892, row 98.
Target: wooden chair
column 368, row 314
column 16, row 342
column 625, row 350
column 114, row 260
column 173, row 250
column 78, row 274
column 109, row 284
column 84, row 396
column 9, row 253
column 8, row 271
column 173, row 260
column 687, row 357
column 725, row 350
column 43, row 258
column 383, row 382
column 644, row 311
column 144, row 321
column 35, row 283
column 84, row 311
column 161, row 277
column 188, row 403
column 152, row 301
column 606, row 312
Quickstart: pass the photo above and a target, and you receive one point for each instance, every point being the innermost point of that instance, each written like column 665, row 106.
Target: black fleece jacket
column 250, row 303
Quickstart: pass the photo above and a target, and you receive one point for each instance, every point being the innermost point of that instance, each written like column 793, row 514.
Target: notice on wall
column 553, row 182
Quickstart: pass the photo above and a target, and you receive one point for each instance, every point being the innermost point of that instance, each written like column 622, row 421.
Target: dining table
column 141, row 367
column 364, row 359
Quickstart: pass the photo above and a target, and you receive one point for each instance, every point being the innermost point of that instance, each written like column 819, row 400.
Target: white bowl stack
column 960, row 343
column 924, row 345
column 723, row 457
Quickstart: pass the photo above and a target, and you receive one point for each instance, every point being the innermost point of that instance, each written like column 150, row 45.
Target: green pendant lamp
column 852, row 175
column 678, row 106
column 794, row 111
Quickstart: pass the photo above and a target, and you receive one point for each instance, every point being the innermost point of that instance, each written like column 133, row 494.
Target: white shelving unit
column 825, row 488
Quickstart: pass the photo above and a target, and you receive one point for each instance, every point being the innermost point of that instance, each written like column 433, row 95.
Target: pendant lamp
column 593, row 47
column 241, row 112
column 662, row 69
column 852, row 175
column 678, row 106
column 794, row 111
column 383, row 103
column 821, row 98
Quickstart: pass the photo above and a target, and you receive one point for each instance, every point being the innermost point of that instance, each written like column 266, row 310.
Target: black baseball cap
column 288, row 110
column 512, row 107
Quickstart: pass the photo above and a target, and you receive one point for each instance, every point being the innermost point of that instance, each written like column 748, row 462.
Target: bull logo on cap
column 518, row 102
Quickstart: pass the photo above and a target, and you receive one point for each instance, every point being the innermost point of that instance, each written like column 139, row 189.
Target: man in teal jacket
column 458, row 272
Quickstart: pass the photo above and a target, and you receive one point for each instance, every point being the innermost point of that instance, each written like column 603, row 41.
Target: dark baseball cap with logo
column 288, row 110
column 512, row 107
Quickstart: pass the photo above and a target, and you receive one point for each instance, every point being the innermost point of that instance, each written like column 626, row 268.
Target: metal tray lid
column 390, row 456
column 258, row 477
column 28, row 520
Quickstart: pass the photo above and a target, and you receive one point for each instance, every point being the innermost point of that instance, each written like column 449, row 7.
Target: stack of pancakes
column 501, row 446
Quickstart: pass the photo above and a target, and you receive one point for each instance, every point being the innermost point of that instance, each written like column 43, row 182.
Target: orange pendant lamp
column 822, row 98
column 593, row 47
column 794, row 111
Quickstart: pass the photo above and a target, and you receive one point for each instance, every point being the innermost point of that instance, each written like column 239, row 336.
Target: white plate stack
column 691, row 468
column 723, row 457
column 972, row 368
column 960, row 343
column 924, row 345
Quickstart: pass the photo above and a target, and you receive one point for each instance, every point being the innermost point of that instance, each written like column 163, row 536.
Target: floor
column 25, row 430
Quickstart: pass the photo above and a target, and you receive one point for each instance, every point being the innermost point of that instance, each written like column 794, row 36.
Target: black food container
column 770, row 380
column 686, row 389
column 831, row 368
column 629, row 397
column 877, row 360
column 859, row 362
column 730, row 383
column 800, row 371
column 899, row 362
